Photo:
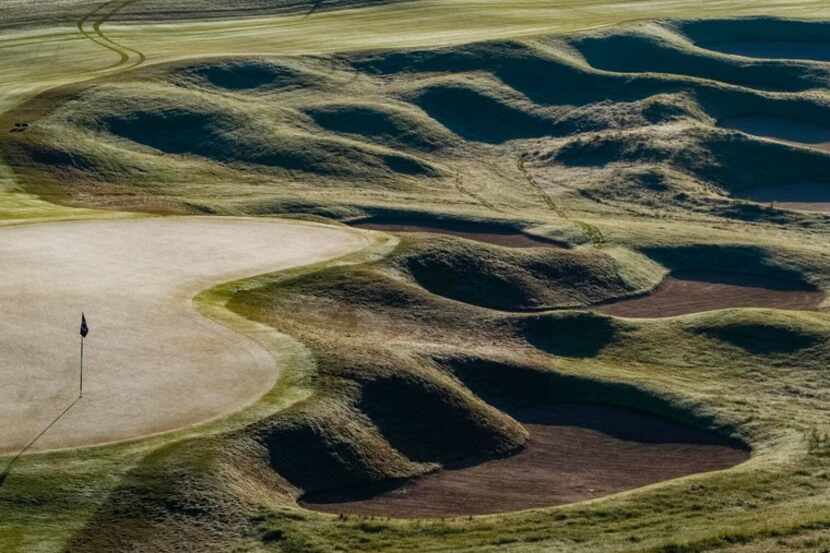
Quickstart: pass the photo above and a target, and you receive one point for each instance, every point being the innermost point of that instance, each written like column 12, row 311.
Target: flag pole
column 84, row 332
column 81, row 394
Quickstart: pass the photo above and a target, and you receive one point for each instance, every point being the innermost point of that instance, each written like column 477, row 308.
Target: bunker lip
column 804, row 51
column 695, row 292
column 575, row 452
column 790, row 131
column 804, row 196
column 479, row 232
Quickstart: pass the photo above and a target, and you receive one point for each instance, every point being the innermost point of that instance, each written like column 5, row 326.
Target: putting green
column 152, row 362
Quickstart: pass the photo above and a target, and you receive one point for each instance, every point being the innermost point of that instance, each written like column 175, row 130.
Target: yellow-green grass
column 220, row 492
column 212, row 488
column 468, row 130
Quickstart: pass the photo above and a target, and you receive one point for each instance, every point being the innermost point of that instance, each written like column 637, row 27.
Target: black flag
column 84, row 328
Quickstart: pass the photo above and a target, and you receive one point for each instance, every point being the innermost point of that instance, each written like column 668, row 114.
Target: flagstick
column 82, row 368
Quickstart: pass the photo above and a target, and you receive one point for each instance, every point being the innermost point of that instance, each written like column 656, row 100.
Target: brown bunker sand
column 799, row 196
column 682, row 294
column 153, row 363
column 802, row 196
column 575, row 452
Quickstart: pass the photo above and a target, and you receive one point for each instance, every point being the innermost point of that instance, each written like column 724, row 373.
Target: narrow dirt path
column 128, row 57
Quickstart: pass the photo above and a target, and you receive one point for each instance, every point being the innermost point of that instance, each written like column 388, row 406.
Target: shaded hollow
column 763, row 37
column 512, row 279
column 763, row 339
column 475, row 116
column 804, row 196
column 427, row 422
column 490, row 233
column 779, row 128
column 380, row 124
column 246, row 75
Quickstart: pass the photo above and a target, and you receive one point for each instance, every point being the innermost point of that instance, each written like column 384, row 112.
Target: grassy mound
column 761, row 334
column 221, row 138
column 543, row 76
column 325, row 444
column 499, row 233
column 178, row 131
column 780, row 128
column 474, row 115
column 620, row 162
column 777, row 270
column 383, row 347
column 500, row 278
column 401, row 130
column 758, row 29
column 382, row 124
column 730, row 160
column 247, row 75
column 408, row 411
column 570, row 334
column 376, row 415
column 642, row 53
column 375, row 425
column 518, row 387
column 122, row 140
column 403, row 364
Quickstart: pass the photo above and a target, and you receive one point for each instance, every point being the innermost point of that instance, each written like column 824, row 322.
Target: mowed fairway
column 153, row 363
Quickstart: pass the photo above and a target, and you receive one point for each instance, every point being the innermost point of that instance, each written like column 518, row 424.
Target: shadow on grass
column 7, row 471
column 579, row 335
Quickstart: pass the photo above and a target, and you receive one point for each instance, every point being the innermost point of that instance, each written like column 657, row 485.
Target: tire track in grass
column 478, row 198
column 593, row 233
column 124, row 57
column 128, row 57
column 140, row 57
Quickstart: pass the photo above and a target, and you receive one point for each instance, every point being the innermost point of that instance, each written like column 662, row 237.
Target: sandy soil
column 693, row 293
column 817, row 51
column 152, row 362
column 785, row 130
column 575, row 452
column 509, row 239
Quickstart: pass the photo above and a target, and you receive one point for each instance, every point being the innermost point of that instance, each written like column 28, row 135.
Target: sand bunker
column 575, row 452
column 696, row 292
column 152, row 362
column 491, row 234
column 779, row 128
column 815, row 51
column 804, row 196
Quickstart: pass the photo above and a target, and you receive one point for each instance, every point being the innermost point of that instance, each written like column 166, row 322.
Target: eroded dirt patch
column 686, row 293
column 575, row 452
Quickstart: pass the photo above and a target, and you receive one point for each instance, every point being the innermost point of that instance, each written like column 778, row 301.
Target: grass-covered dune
column 762, row 38
column 532, row 181
column 518, row 279
column 550, row 121
column 384, row 348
